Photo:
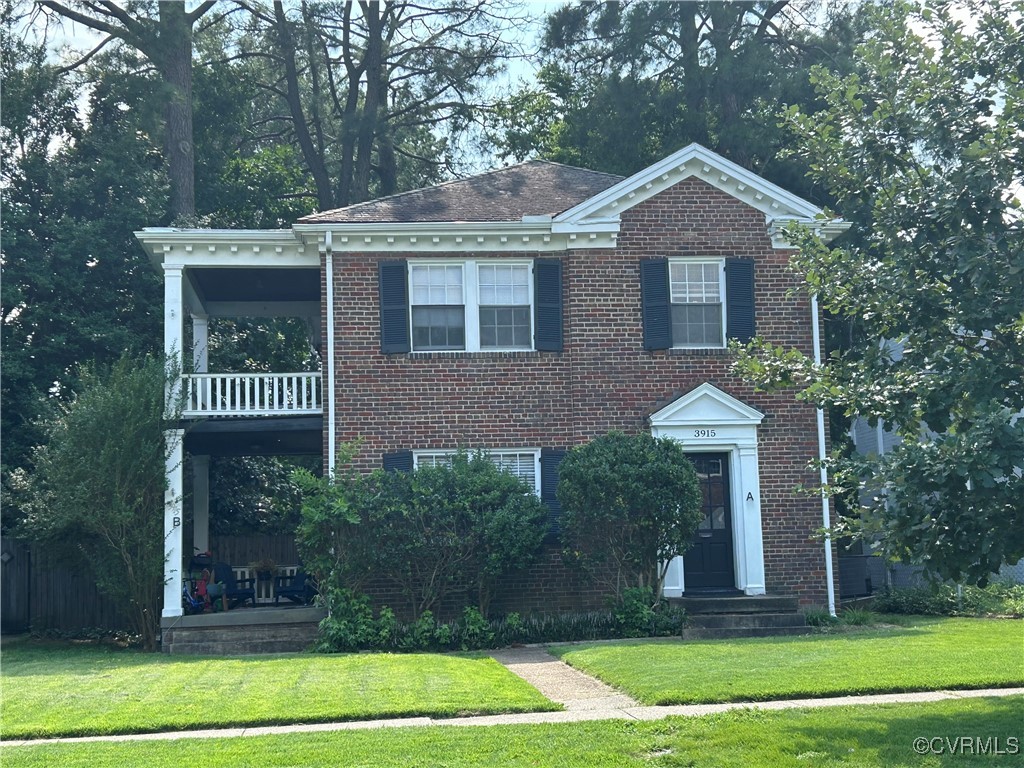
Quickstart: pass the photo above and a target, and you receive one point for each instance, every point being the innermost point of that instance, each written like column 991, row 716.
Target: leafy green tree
column 433, row 532
column 921, row 147
column 624, row 84
column 99, row 482
column 630, row 503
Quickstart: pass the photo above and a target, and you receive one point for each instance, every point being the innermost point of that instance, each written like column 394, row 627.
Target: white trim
column 826, row 517
column 707, row 420
column 603, row 210
column 331, row 428
column 227, row 247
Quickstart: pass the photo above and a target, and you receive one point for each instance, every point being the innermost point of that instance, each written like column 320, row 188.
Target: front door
column 707, row 564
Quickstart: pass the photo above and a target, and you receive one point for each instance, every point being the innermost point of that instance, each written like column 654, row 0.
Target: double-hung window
column 438, row 306
column 698, row 310
column 472, row 306
column 524, row 464
column 696, row 303
column 492, row 305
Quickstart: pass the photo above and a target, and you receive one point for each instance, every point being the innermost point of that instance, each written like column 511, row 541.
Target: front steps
column 242, row 631
column 714, row 617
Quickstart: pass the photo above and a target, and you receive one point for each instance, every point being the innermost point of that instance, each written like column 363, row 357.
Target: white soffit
column 227, row 247
column 706, row 404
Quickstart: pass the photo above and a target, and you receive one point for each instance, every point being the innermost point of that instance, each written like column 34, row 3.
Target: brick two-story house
column 525, row 311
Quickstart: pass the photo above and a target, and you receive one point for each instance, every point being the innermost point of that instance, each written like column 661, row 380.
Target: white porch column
column 173, row 327
column 752, row 542
column 200, row 334
column 201, row 503
column 172, row 522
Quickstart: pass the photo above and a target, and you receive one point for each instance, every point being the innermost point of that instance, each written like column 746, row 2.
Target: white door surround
column 706, row 419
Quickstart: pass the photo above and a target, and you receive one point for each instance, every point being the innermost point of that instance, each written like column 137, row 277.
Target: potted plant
column 265, row 569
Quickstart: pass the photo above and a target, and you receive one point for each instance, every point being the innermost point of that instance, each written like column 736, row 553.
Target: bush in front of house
column 352, row 626
column 1001, row 598
column 452, row 529
column 630, row 504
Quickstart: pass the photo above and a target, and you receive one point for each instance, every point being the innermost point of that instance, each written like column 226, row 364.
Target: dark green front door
column 708, row 564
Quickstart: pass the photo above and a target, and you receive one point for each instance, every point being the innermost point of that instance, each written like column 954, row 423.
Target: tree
column 99, row 483
column 630, row 503
column 624, row 84
column 166, row 41
column 921, row 147
column 374, row 95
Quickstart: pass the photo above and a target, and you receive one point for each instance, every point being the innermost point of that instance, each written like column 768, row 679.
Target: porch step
column 736, row 605
column 721, row 616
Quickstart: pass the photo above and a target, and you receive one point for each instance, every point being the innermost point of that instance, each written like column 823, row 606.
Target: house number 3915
column 703, row 433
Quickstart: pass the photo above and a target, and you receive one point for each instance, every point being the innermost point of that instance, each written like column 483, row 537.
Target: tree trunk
column 173, row 57
column 375, row 84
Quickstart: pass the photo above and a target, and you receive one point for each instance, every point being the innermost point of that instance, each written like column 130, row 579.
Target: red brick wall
column 603, row 379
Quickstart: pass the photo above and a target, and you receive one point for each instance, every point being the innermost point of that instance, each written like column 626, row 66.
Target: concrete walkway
column 583, row 697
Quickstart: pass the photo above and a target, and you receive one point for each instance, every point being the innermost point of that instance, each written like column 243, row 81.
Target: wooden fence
column 38, row 593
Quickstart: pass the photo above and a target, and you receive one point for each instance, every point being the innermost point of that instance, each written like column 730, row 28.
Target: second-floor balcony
column 251, row 394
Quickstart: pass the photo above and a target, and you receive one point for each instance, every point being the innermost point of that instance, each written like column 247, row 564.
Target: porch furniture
column 298, row 588
column 237, row 591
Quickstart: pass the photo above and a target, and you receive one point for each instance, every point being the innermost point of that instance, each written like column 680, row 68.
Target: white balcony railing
column 251, row 394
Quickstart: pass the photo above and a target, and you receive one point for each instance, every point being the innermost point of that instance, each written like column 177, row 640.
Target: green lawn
column 926, row 654
column 880, row 736
column 56, row 690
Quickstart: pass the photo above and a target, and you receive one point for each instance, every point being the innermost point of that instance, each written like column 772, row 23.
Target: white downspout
column 329, row 404
column 826, row 517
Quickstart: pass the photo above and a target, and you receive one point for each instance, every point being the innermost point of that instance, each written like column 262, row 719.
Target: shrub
column 1001, row 598
column 630, row 503
column 438, row 529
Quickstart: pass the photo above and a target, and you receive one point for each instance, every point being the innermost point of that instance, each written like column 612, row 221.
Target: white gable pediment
column 777, row 205
column 706, row 404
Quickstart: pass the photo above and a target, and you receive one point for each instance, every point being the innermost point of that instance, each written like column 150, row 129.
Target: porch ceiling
column 275, row 436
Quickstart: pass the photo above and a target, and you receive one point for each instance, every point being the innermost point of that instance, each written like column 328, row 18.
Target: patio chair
column 237, row 591
column 298, row 588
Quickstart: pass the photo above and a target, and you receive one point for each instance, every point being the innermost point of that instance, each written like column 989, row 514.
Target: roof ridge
column 570, row 167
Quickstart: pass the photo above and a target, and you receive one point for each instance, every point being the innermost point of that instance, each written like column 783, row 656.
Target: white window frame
column 720, row 261
column 535, row 451
column 471, row 302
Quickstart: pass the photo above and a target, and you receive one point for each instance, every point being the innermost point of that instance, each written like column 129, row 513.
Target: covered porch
column 252, row 410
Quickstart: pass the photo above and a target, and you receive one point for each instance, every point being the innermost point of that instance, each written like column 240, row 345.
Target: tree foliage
column 625, row 84
column 630, row 503
column 921, row 146
column 99, row 482
column 433, row 532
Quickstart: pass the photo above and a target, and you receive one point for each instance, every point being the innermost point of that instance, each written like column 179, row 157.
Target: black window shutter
column 547, row 300
column 657, row 316
column 392, row 283
column 399, row 461
column 550, row 459
column 739, row 299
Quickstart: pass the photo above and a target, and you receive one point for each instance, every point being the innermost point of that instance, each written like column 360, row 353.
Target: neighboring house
column 523, row 312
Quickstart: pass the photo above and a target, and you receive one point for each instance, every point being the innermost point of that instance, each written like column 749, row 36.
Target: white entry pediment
column 706, row 404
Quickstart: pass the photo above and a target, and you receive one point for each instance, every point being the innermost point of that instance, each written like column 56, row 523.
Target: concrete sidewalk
column 583, row 697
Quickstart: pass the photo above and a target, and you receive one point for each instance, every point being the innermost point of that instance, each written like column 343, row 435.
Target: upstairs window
column 698, row 309
column 472, row 306
column 438, row 306
column 504, row 296
column 696, row 303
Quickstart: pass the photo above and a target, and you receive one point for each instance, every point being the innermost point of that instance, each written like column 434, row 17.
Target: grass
column 925, row 654
column 54, row 690
column 879, row 736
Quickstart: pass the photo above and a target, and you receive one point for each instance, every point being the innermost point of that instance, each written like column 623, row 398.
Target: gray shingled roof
column 533, row 188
